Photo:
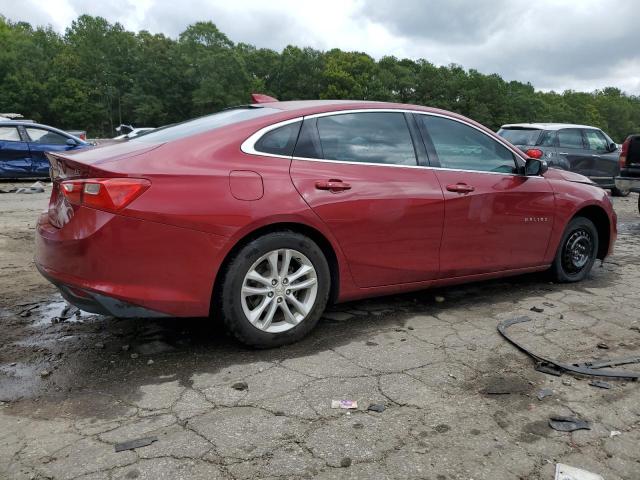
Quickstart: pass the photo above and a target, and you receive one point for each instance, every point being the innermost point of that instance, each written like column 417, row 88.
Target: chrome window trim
column 248, row 146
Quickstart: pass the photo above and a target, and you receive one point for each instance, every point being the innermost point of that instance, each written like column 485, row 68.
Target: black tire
column 577, row 251
column 230, row 299
column 616, row 192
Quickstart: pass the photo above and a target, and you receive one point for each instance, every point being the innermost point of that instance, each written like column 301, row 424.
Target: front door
column 15, row 159
column 495, row 218
column 573, row 153
column 358, row 172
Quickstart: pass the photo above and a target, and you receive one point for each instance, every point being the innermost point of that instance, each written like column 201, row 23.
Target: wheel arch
column 314, row 234
column 602, row 223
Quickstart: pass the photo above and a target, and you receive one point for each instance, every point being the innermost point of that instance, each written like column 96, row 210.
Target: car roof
column 16, row 123
column 547, row 126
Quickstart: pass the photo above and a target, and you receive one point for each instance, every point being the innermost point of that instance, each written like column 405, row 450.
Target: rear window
column 520, row 136
column 203, row 124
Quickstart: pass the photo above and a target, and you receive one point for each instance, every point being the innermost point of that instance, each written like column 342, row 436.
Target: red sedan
column 261, row 215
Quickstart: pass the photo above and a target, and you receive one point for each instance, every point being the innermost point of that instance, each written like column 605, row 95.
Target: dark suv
column 577, row 148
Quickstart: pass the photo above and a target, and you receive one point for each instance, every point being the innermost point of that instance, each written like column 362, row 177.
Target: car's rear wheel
column 577, row 251
column 275, row 290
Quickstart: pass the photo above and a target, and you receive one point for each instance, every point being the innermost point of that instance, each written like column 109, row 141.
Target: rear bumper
column 96, row 303
column 126, row 267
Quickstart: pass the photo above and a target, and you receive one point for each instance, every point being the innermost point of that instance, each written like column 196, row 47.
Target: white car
column 133, row 133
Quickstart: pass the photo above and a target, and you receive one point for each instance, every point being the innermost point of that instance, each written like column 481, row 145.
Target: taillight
column 110, row 194
column 534, row 153
column 624, row 151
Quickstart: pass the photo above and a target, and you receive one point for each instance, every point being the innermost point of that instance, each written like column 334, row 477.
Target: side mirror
column 535, row 167
column 612, row 147
column 71, row 142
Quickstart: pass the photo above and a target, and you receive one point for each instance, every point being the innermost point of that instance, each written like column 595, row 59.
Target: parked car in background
column 127, row 131
column 23, row 146
column 629, row 178
column 576, row 148
column 260, row 215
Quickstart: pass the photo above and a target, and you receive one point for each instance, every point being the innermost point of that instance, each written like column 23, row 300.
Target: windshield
column 203, row 124
column 520, row 136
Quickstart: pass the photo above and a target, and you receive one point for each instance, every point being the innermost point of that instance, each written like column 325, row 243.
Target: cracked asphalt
column 461, row 402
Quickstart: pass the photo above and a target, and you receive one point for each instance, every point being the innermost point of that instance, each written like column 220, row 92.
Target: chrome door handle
column 563, row 153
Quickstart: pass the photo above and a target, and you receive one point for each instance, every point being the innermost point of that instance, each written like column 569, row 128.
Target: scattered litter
column 27, row 311
column 439, row 298
column 615, row 433
column 545, row 392
column 37, row 187
column 125, row 348
column 537, row 309
column 11, row 190
column 99, row 345
column 137, row 443
column 371, row 344
column 580, row 368
column 548, row 369
column 567, row 382
column 345, row 462
column 68, row 312
column 568, row 424
column 150, row 362
column 548, row 304
column 603, row 346
column 45, row 373
column 134, row 355
column 377, row 407
column 600, row 384
column 240, row 386
column 346, row 404
column 566, row 472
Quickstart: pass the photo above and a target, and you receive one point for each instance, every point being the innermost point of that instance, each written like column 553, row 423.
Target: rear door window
column 570, row 138
column 462, row 147
column 367, row 137
column 9, row 134
column 595, row 140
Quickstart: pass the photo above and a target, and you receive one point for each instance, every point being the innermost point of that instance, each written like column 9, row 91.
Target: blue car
column 23, row 146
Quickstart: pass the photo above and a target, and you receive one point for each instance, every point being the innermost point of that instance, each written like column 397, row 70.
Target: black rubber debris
column 568, row 424
column 600, row 384
column 377, row 407
column 240, row 386
column 133, row 444
column 537, row 309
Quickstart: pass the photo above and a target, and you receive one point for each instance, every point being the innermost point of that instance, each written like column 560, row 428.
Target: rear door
column 359, row 174
column 495, row 218
column 15, row 159
column 573, row 153
column 41, row 141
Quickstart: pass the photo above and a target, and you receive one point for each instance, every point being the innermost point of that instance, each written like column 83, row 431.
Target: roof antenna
column 262, row 98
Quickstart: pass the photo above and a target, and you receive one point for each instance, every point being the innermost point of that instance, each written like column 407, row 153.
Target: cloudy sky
column 554, row 44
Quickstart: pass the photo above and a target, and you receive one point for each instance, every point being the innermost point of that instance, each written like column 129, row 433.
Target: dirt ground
column 461, row 402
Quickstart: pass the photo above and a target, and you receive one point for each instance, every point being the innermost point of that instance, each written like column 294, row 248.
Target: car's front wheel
column 617, row 192
column 577, row 251
column 275, row 290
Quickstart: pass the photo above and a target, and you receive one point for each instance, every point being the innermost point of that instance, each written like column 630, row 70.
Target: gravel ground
column 460, row 402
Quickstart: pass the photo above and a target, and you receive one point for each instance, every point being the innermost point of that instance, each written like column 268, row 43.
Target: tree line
column 97, row 75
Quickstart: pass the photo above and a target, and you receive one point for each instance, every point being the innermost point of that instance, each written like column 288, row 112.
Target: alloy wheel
column 279, row 290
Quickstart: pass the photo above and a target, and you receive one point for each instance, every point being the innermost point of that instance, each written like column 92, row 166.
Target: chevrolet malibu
column 263, row 214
